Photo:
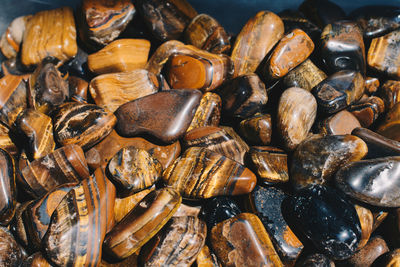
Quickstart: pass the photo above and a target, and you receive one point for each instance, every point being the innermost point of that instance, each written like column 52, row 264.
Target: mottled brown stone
column 390, row 93
column 341, row 123
column 375, row 247
column 123, row 205
column 371, row 85
column 208, row 113
column 11, row 253
column 390, row 126
column 368, row 110
column 257, row 129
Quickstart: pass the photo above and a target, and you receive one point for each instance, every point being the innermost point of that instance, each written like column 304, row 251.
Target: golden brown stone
column 371, row 85
column 78, row 88
column 390, row 93
column 8, row 188
column 6, row 142
column 341, row 123
column 366, row 221
column 257, row 129
column 11, row 39
column 208, row 113
column 160, row 56
column 207, row 258
column 390, row 126
column 36, row 260
column 389, row 259
column 367, row 110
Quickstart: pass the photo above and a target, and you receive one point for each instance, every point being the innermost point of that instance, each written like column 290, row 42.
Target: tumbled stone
column 202, row 173
column 366, row 222
column 8, row 197
column 208, row 113
column 371, row 85
column 391, row 258
column 322, row 12
column 185, row 210
column 11, row 253
column 368, row 110
column 17, row 225
column 341, row 123
column 319, row 157
column 316, row 260
column 390, row 93
column 375, row 247
column 11, row 39
column 6, row 142
column 78, row 89
column 257, row 129
column 218, row 209
column 207, row 258
column 78, row 65
column 296, row 114
column 390, row 125
column 36, row 260
column 165, row 115
column 375, row 181
column 294, row 19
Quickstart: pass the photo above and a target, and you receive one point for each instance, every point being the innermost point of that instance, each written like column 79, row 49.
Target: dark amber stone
column 322, row 12
column 328, row 219
column 208, row 113
column 390, row 125
column 316, row 260
column 339, row 91
column 343, row 47
column 368, row 110
column 391, row 258
column 371, row 85
column 17, row 225
column 266, row 202
column 165, row 115
column 375, row 247
column 341, row 123
column 390, row 93
column 11, row 254
column 36, row 260
column 6, row 142
column 257, row 129
column 318, row 158
column 78, row 88
column 207, row 258
column 366, row 221
column 375, row 181
column 8, row 188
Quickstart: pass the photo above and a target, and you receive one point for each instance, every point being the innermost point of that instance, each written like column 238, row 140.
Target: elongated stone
column 65, row 165
column 390, row 93
column 100, row 154
column 141, row 223
column 202, row 173
column 322, row 12
column 375, row 181
column 11, row 253
column 112, row 90
column 206, row 33
column 343, row 122
column 11, row 39
column 371, row 85
column 165, row 115
column 339, row 91
column 270, row 164
column 242, row 96
column 367, row 111
column 389, row 127
column 257, row 129
column 375, row 247
column 318, row 158
column 326, row 218
column 82, row 124
column 383, row 54
column 305, row 76
column 366, row 222
column 102, row 21
column 391, row 258
column 296, row 114
column 166, row 19
column 207, row 258
column 8, row 188
column 178, row 243
column 266, row 203
column 245, row 237
column 120, row 55
column 79, row 223
column 255, row 40
column 49, row 33
column 217, row 140
column 133, row 169
column 78, row 88
column 208, row 113
column 343, row 47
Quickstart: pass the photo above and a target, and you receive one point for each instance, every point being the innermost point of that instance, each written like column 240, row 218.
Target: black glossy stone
column 315, row 260
column 219, row 209
column 327, row 218
column 374, row 181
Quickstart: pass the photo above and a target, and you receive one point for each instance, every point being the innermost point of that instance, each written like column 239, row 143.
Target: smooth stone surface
column 341, row 123
column 256, row 130
column 339, row 90
column 133, row 169
column 296, row 114
column 391, row 258
column 11, row 253
column 390, row 93
column 319, row 157
column 367, row 111
column 165, row 115
column 326, row 218
column 375, row 247
column 375, row 181
column 322, row 12
column 141, row 223
column 6, row 142
column 81, row 124
column 367, row 222
column 8, row 188
column 78, row 89
column 207, row 258
column 208, row 113
column 255, row 40
column 17, row 225
column 202, row 173
column 390, row 125
column 177, row 244
column 316, row 260
column 218, row 140
column 11, row 39
column 218, row 209
column 36, row 260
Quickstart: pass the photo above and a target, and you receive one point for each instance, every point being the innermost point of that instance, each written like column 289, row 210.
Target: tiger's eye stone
column 141, row 223
column 316, row 260
column 79, row 223
column 47, row 89
column 383, row 54
column 390, row 93
column 206, row 33
column 319, row 157
column 131, row 261
column 242, row 96
column 103, row 21
column 375, row 247
column 375, row 181
column 257, row 129
column 165, row 115
column 371, row 85
column 322, row 12
column 166, row 19
column 296, row 114
column 198, row 69
column 120, row 55
column 366, row 221
column 37, row 215
column 294, row 48
column 101, row 153
column 208, row 113
column 305, row 76
column 57, row 34
column 11, row 39
column 243, row 241
column 124, row 205
column 339, row 91
column 11, row 253
column 376, row 20
column 266, row 203
column 36, row 260
column 187, row 210
column 390, row 126
column 367, row 111
column 78, row 88
column 177, row 244
column 8, row 188
column 341, row 123
column 255, row 40
column 343, row 47
column 379, row 217
column 36, row 129
column 391, row 258
column 326, row 218
column 17, row 225
column 6, row 142
column 81, row 124
column 133, row 169
column 270, row 164
column 112, row 90
column 207, row 258
column 217, row 140
column 65, row 165
column 202, row 173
